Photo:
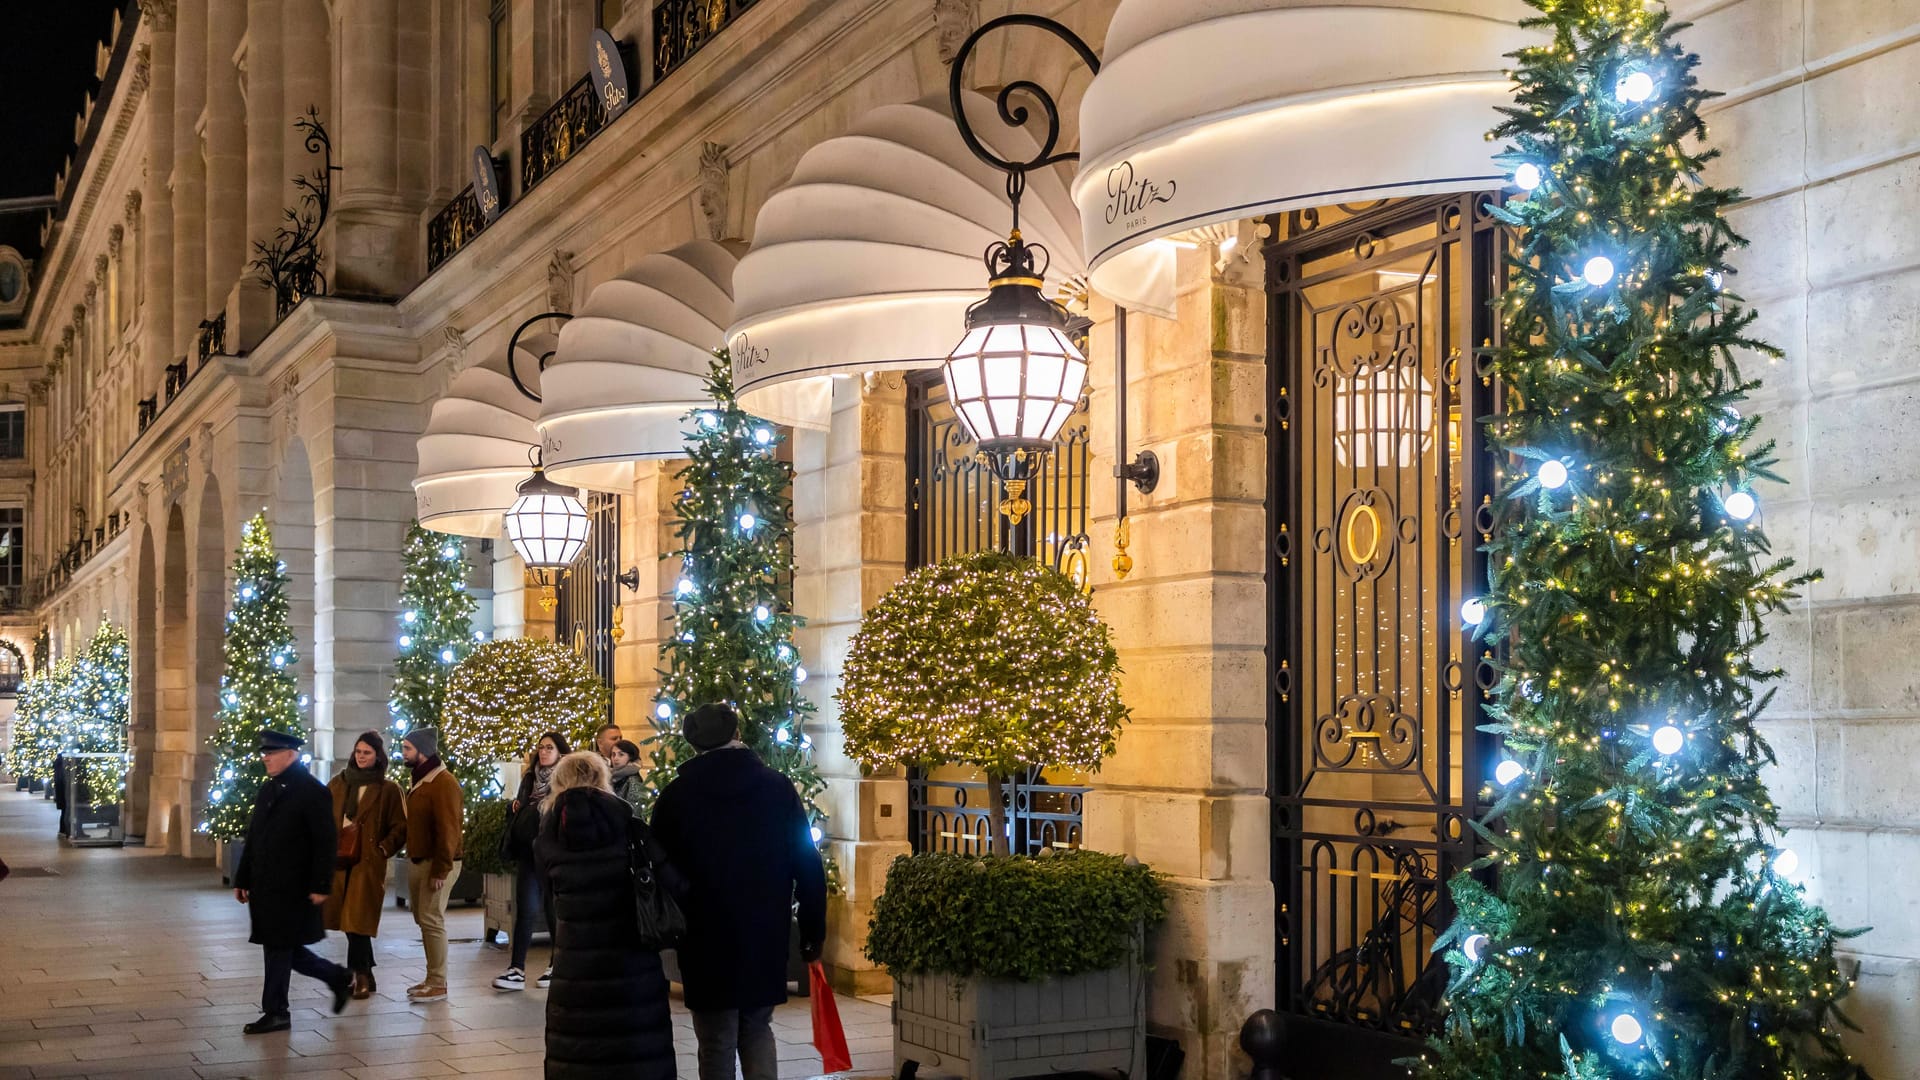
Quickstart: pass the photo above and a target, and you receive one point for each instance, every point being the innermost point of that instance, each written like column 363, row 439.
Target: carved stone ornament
column 159, row 13
column 142, row 68
column 560, row 282
column 953, row 21
column 206, row 446
column 713, row 188
column 100, row 261
column 455, row 343
column 133, row 207
column 116, row 235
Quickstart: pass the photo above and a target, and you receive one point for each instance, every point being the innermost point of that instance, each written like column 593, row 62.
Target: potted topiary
column 1003, row 965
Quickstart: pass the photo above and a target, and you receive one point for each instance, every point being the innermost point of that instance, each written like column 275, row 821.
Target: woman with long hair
column 523, row 827
column 372, row 805
column 625, row 769
column 607, row 1015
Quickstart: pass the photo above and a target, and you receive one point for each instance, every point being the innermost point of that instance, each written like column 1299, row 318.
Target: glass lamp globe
column 547, row 525
column 1016, row 376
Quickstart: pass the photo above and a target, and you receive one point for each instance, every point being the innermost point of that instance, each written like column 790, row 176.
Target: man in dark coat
column 736, row 830
column 285, row 873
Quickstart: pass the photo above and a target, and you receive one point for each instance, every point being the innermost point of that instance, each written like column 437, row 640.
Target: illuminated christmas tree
column 732, row 636
column 257, row 690
column 436, row 627
column 36, row 735
column 1637, row 916
column 99, row 691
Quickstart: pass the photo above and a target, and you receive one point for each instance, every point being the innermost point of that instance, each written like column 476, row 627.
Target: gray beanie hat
column 425, row 741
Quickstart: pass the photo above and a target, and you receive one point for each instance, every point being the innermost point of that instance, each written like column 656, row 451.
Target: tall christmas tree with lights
column 436, row 633
column 732, row 637
column 257, row 690
column 101, row 699
column 1637, row 915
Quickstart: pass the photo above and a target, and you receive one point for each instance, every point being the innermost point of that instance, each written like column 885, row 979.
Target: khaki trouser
column 430, row 914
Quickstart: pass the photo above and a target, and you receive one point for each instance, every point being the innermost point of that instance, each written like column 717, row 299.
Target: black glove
column 810, row 950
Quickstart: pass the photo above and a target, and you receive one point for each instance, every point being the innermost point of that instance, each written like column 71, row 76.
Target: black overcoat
column 288, row 856
column 737, row 832
column 607, row 1011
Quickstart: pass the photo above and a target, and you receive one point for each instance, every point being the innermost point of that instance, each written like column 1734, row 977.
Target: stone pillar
column 1185, row 792
column 376, row 228
column 646, row 615
column 226, row 135
column 305, row 54
column 850, row 547
column 266, row 126
column 510, row 593
column 189, row 179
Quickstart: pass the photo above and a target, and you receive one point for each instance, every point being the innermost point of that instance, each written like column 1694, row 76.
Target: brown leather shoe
column 372, row 987
column 362, row 990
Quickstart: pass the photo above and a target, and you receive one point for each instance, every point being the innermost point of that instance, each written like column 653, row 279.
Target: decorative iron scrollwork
column 560, row 133
column 681, row 27
column 453, row 228
column 289, row 264
column 212, row 341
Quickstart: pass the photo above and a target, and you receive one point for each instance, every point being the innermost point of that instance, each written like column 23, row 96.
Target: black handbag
column 523, row 828
column 661, row 923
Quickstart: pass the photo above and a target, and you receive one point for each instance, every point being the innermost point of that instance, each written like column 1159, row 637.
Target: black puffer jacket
column 607, row 1012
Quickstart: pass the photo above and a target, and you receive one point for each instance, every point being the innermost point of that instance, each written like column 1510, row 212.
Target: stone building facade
column 172, row 397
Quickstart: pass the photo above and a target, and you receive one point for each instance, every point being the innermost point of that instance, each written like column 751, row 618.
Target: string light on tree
column 1741, row 505
column 1527, row 176
column 1473, row 611
column 1645, row 929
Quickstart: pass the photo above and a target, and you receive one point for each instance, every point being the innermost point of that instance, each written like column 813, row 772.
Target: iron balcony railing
column 682, row 27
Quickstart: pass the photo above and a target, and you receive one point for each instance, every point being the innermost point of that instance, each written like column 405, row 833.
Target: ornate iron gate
column 589, row 590
column 953, row 508
column 1378, row 475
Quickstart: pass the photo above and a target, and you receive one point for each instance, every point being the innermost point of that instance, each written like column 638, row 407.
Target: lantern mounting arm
column 1011, row 113
column 513, row 351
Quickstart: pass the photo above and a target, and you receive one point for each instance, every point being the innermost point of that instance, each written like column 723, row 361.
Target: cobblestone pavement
column 126, row 963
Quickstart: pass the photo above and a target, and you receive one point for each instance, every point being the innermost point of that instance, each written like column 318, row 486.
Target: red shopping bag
column 828, row 1036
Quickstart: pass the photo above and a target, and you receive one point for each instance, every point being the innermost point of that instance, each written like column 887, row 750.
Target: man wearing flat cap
column 285, row 872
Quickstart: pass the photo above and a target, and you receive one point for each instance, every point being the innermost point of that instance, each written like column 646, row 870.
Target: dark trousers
column 359, row 952
column 526, row 901
column 729, row 1035
column 282, row 963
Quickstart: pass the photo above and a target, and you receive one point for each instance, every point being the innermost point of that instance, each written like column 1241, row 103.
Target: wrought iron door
column 1378, row 476
column 953, row 508
column 589, row 590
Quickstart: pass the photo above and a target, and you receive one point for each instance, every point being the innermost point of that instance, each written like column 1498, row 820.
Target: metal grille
column 561, row 132
column 1377, row 470
column 952, row 509
column 681, row 27
column 453, row 227
column 588, row 589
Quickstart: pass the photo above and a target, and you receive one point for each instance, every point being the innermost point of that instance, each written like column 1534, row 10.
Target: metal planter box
column 993, row 1029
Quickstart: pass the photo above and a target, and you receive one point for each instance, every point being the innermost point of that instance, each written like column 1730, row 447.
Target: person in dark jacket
column 523, row 828
column 607, row 1014
column 284, row 876
column 624, row 766
column 736, row 830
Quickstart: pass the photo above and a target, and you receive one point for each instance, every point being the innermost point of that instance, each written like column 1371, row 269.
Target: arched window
column 13, row 668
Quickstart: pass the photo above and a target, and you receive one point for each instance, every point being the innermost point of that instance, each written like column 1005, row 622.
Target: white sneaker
column 546, row 979
column 514, row 979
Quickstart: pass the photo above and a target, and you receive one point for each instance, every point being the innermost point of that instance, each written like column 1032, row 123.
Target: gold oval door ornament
column 1078, row 570
column 1349, row 535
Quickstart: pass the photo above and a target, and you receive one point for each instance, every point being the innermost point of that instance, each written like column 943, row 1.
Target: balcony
column 453, row 227
column 682, row 27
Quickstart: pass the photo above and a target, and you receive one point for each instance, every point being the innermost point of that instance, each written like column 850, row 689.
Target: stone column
column 1185, row 792
column 305, row 54
column 226, row 134
column 850, row 547
column 189, row 179
column 266, row 126
column 376, row 228
column 646, row 615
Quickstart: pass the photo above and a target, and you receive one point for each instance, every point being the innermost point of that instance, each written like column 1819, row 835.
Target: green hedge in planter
column 486, row 824
column 1012, row 917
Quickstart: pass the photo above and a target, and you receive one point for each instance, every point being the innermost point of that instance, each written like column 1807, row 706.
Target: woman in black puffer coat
column 607, row 1013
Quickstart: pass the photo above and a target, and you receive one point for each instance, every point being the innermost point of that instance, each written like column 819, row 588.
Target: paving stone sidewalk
column 126, row 963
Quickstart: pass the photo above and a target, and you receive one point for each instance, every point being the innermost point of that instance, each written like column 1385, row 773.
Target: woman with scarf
column 625, row 763
column 371, row 806
column 523, row 827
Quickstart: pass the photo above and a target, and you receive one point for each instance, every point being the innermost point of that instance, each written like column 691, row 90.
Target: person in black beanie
column 738, row 832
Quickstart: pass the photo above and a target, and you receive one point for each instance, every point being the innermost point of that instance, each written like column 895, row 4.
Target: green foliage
column 503, row 695
column 485, row 824
column 436, row 627
column 986, row 659
column 1629, row 881
column 36, row 732
column 99, row 694
column 1012, row 918
column 733, row 631
column 257, row 690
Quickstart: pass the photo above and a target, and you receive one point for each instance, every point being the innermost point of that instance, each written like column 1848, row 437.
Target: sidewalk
column 126, row 963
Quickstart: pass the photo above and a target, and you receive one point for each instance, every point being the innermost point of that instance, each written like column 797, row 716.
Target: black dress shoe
column 342, row 990
column 269, row 1022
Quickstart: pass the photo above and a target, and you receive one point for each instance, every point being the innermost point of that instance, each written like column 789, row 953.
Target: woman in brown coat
column 364, row 796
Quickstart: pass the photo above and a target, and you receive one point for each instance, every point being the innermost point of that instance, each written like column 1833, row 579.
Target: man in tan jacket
column 433, row 853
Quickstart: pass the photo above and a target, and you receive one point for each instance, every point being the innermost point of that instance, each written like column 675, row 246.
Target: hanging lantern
column 546, row 524
column 1016, row 376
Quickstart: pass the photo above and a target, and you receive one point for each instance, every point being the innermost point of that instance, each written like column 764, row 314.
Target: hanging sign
column 609, row 74
column 486, row 185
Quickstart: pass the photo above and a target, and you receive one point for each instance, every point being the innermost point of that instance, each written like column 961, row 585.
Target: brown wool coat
column 354, row 904
column 434, row 822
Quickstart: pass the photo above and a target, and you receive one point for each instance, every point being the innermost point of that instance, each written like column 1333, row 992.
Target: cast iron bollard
column 1264, row 1038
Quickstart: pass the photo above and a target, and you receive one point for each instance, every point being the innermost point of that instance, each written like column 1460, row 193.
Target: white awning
column 633, row 363
column 475, row 452
column 869, row 256
column 1214, row 110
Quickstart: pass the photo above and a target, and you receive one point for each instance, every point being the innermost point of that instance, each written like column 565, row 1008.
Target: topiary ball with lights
column 986, row 659
column 505, row 693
